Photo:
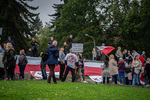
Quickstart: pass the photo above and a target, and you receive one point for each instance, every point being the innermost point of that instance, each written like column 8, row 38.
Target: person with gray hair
column 52, row 60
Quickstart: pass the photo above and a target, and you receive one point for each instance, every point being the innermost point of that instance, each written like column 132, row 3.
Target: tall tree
column 15, row 18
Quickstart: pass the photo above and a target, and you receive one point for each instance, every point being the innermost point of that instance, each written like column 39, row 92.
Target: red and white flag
column 106, row 49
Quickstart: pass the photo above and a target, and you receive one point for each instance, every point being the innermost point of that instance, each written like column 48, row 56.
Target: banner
column 97, row 79
column 77, row 47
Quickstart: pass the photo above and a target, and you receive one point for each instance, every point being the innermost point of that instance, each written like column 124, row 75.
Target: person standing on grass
column 61, row 62
column 70, row 59
column 130, row 73
column 94, row 54
column 11, row 60
column 52, row 60
column 121, row 66
column 43, row 65
column 113, row 69
column 35, row 46
column 4, row 61
column 105, row 73
column 118, row 54
column 147, row 72
column 22, row 63
column 137, row 67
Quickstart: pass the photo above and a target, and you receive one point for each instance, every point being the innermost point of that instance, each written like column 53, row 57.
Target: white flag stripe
column 102, row 47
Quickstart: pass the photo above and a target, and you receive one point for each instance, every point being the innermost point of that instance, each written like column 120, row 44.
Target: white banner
column 97, row 79
column 77, row 47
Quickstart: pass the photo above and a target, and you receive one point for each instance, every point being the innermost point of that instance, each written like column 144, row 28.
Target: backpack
column 45, row 56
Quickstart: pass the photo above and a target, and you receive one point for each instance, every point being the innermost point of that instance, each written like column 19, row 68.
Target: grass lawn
column 40, row 90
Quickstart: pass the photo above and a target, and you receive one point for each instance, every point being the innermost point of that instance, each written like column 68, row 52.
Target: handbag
column 127, row 70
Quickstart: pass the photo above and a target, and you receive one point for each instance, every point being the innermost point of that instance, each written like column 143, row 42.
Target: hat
column 9, row 37
column 120, row 59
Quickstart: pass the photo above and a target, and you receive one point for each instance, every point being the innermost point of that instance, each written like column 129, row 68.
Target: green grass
column 40, row 90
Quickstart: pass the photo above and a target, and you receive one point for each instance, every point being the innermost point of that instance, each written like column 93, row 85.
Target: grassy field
column 40, row 90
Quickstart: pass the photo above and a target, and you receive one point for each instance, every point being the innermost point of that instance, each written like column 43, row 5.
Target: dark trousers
column 11, row 69
column 22, row 68
column 5, row 70
column 98, row 58
column 43, row 70
column 66, row 73
column 51, row 74
column 127, row 81
column 104, row 80
column 35, row 53
column 62, row 68
column 2, row 73
column 114, row 78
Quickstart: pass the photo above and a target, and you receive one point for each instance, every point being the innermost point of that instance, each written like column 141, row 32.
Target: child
column 130, row 74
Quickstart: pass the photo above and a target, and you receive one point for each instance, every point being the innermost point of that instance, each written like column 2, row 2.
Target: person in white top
column 71, row 59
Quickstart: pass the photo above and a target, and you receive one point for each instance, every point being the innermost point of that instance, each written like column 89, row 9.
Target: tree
column 15, row 18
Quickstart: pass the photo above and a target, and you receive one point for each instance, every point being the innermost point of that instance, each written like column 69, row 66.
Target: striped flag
column 105, row 49
column 140, row 58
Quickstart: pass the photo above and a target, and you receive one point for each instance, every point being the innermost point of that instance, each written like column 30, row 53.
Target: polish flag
column 106, row 49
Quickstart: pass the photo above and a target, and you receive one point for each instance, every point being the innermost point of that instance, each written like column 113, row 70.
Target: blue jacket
column 53, row 55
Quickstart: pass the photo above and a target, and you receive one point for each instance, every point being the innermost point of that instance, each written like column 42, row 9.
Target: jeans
column 43, row 70
column 139, row 77
column 123, row 75
column 66, row 73
column 62, row 68
column 114, row 78
column 135, row 79
column 130, row 82
column 94, row 58
column 82, row 71
column 51, row 74
column 22, row 68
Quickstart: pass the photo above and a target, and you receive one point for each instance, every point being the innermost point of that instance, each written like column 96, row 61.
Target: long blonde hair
column 9, row 46
column 111, row 57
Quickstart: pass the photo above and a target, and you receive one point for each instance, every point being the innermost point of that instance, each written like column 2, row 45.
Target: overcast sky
column 45, row 8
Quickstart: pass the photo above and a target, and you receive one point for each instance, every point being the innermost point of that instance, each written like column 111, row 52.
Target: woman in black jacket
column 11, row 60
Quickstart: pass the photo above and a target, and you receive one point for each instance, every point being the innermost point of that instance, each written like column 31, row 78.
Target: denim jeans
column 135, row 79
column 22, row 68
column 139, row 77
column 43, row 70
column 130, row 82
column 82, row 71
column 123, row 75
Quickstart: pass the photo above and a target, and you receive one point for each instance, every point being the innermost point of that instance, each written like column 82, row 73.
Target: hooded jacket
column 53, row 55
column 121, row 66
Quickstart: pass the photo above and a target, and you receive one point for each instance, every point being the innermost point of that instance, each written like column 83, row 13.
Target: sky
column 45, row 8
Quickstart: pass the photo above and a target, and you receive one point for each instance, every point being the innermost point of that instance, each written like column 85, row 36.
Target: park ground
column 40, row 90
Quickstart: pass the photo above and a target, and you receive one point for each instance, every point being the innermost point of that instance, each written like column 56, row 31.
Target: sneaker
column 84, row 82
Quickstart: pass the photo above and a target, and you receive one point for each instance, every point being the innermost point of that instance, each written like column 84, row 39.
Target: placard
column 77, row 47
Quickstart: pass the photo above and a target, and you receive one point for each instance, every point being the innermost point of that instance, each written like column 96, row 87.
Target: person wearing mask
column 119, row 53
column 22, row 62
column 70, row 41
column 35, row 46
column 147, row 73
column 61, row 62
column 137, row 67
column 51, row 41
column 121, row 65
column 70, row 60
column 11, row 60
column 126, row 56
column 105, row 73
column 4, row 61
column 113, row 69
column 103, row 55
column 65, row 49
column 11, row 41
column 143, row 55
column 52, row 60
column 98, row 55
column 29, row 53
column 94, row 54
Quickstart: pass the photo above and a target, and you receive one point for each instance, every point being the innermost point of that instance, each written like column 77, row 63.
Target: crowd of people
column 126, row 66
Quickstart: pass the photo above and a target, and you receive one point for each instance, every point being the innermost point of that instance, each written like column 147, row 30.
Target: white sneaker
column 84, row 82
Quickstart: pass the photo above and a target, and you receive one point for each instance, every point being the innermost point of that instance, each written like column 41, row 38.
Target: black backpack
column 45, row 56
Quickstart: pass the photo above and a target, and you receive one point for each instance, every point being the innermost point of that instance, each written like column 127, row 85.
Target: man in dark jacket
column 29, row 53
column 126, row 56
column 70, row 41
column 52, row 60
column 35, row 46
column 65, row 50
column 11, row 41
